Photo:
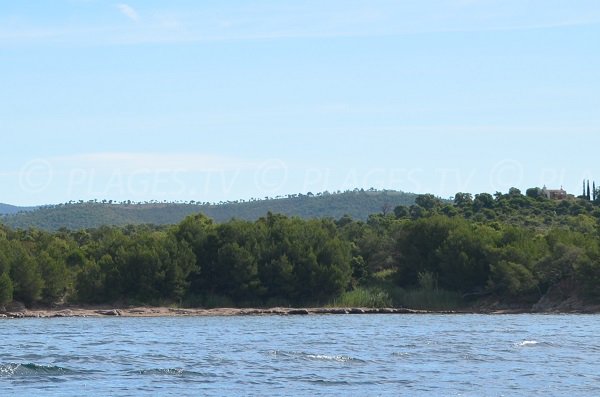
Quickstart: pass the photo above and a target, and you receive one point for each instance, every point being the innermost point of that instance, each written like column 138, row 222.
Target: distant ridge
column 7, row 209
column 358, row 204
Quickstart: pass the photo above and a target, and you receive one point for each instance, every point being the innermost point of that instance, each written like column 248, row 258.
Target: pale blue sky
column 222, row 100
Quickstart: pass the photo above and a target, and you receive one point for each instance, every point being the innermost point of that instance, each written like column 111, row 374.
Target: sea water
column 317, row 355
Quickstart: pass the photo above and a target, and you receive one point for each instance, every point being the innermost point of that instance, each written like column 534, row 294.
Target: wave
column 314, row 357
column 171, row 372
column 532, row 343
column 31, row 369
column 528, row 343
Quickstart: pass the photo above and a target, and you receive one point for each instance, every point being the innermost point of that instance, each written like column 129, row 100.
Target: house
column 559, row 194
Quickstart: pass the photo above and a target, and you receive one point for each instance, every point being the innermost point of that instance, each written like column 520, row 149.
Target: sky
column 225, row 100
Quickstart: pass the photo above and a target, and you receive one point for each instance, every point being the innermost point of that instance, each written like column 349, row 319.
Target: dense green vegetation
column 358, row 204
column 6, row 209
column 433, row 254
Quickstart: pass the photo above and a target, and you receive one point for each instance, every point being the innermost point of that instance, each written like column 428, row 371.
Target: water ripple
column 30, row 369
column 316, row 355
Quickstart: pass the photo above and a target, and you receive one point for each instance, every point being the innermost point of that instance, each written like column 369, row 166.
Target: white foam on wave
column 527, row 343
column 325, row 357
column 312, row 357
column 8, row 369
column 30, row 369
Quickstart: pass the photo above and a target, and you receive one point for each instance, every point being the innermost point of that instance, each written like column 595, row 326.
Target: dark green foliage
column 427, row 201
column 463, row 199
column 6, row 289
column 534, row 192
column 401, row 211
column 455, row 250
column 511, row 278
column 511, row 246
column 483, row 201
column 26, row 277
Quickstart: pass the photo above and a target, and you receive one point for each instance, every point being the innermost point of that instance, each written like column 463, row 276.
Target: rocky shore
column 178, row 312
column 277, row 311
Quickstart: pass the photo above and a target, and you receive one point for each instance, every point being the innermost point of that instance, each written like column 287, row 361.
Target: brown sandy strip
column 177, row 312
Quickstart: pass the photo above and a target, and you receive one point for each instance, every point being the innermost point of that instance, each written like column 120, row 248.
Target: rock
column 329, row 310
column 113, row 312
column 371, row 311
column 143, row 311
column 338, row 311
column 356, row 310
column 53, row 315
column 251, row 312
column 296, row 312
column 179, row 312
column 63, row 313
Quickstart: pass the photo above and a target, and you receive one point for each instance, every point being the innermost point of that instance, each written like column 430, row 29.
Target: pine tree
column 594, row 190
column 583, row 194
column 589, row 196
column 6, row 289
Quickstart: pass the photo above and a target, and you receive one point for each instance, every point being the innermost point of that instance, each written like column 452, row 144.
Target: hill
column 7, row 209
column 358, row 204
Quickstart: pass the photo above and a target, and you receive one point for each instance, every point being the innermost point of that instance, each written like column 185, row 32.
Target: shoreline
column 148, row 311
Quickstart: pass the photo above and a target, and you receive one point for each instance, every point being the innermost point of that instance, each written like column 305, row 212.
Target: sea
column 316, row 355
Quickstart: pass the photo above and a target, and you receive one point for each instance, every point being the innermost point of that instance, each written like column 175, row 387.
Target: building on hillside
column 555, row 194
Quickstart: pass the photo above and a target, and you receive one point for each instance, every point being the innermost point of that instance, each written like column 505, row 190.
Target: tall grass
column 427, row 296
column 363, row 297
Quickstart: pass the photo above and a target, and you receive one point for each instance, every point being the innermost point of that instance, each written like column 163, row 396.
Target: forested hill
column 501, row 251
column 7, row 209
column 358, row 204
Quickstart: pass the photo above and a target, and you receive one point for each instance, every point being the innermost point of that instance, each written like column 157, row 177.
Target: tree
column 55, row 276
column 386, row 208
column 6, row 289
column 238, row 272
column 90, row 284
column 511, row 278
column 588, row 195
column 401, row 212
column 465, row 256
column 178, row 262
column 463, row 199
column 533, row 192
column 483, row 200
column 427, row 201
column 26, row 278
column 416, row 246
column 514, row 192
column 277, row 278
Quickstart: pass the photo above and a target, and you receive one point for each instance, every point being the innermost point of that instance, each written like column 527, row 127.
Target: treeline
column 357, row 203
column 511, row 247
column 275, row 259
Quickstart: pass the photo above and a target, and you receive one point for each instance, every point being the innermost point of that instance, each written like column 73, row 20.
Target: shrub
column 362, row 297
